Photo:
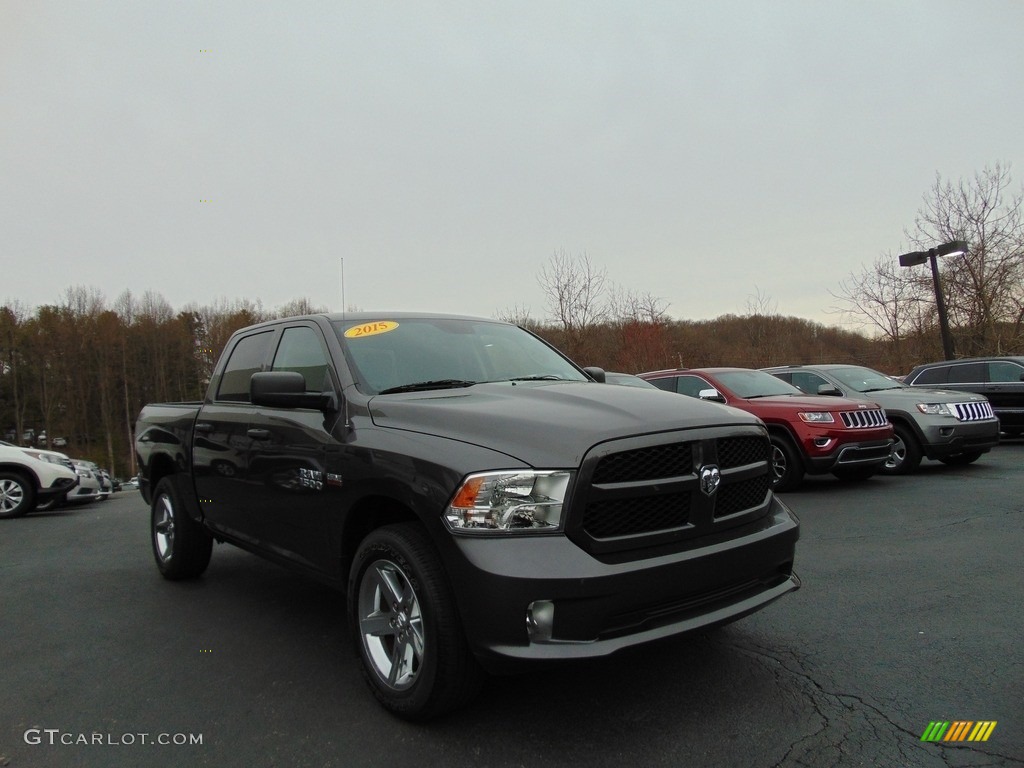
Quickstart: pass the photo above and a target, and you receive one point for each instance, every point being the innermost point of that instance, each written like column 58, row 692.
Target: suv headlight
column 44, row 457
column 934, row 409
column 816, row 417
column 528, row 501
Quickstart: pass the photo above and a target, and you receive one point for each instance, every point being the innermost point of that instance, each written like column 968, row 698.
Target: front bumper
column 597, row 607
column 948, row 437
column 60, row 486
column 864, row 453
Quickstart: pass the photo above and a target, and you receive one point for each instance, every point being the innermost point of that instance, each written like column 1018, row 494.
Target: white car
column 27, row 481
column 89, row 485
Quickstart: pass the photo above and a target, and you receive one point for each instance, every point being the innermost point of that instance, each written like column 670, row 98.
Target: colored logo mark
column 959, row 730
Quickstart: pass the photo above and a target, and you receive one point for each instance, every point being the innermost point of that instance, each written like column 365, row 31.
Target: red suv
column 810, row 434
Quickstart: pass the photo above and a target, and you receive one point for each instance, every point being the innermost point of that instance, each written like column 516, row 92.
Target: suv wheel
column 181, row 546
column 906, row 453
column 17, row 496
column 406, row 629
column 787, row 468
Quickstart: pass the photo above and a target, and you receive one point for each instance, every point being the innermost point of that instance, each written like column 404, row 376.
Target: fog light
column 540, row 618
column 945, row 431
column 822, row 442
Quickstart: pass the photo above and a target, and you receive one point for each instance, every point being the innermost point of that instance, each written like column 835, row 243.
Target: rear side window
column 668, row 383
column 301, row 350
column 246, row 359
column 937, row 375
column 967, row 373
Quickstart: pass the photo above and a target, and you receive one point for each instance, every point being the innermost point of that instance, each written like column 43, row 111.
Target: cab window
column 301, row 350
column 248, row 357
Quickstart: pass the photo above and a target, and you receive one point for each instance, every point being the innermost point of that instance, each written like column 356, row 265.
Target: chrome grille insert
column 864, row 418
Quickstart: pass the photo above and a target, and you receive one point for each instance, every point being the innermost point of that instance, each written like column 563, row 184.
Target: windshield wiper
column 423, row 386
column 538, row 377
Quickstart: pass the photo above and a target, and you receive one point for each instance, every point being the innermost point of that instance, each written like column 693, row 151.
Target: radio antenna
column 344, row 399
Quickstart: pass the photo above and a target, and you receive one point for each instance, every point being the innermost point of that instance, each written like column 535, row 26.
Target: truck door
column 289, row 458
column 222, row 443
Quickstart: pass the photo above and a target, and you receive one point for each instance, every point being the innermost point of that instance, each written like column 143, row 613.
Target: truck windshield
column 416, row 354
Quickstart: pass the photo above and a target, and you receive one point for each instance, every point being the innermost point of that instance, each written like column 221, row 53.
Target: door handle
column 204, row 427
column 259, row 434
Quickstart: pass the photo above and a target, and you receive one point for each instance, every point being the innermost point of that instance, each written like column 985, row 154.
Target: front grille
column 626, row 517
column 738, row 451
column 657, row 461
column 648, row 493
column 976, row 411
column 864, row 418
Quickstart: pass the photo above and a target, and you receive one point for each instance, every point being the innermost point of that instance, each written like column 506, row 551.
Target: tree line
column 82, row 369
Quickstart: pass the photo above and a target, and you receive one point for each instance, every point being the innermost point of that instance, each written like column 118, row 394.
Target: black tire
column 961, row 459
column 786, row 465
column 181, row 546
column 401, row 605
column 906, row 453
column 855, row 473
column 17, row 495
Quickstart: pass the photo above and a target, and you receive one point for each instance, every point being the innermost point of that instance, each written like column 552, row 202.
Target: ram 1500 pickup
column 483, row 501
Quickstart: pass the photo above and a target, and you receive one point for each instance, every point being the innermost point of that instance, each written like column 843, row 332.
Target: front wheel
column 906, row 453
column 787, row 468
column 17, row 496
column 181, row 546
column 405, row 626
column 961, row 459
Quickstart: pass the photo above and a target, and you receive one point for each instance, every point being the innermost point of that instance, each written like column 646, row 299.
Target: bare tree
column 575, row 290
column 984, row 288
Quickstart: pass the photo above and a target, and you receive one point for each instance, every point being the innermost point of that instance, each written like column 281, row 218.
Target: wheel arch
column 366, row 516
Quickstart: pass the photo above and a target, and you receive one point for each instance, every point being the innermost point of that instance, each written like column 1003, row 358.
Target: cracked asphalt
column 911, row 611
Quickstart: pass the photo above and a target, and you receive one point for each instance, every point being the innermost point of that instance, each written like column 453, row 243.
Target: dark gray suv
column 953, row 427
column 1000, row 379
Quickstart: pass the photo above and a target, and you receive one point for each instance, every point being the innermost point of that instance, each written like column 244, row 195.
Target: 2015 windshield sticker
column 370, row 329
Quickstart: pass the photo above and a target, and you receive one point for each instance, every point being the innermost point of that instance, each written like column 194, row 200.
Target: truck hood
column 550, row 423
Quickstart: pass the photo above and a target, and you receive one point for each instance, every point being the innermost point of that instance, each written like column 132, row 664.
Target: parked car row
column 35, row 479
column 849, row 420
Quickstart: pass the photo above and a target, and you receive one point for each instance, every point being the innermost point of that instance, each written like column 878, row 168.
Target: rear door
column 1005, row 391
column 222, row 445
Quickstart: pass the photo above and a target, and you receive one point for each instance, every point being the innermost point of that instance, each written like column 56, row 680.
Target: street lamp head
column 913, row 259
column 952, row 248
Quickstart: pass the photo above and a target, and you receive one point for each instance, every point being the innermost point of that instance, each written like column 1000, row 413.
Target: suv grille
column 650, row 495
column 973, row 411
column 863, row 418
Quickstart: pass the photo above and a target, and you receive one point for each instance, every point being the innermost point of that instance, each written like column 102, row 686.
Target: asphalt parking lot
column 911, row 612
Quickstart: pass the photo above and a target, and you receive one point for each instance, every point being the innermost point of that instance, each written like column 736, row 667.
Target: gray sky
column 701, row 152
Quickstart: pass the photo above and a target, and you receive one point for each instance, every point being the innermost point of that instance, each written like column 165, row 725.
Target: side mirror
column 287, row 389
column 828, row 389
column 711, row 394
column 597, row 374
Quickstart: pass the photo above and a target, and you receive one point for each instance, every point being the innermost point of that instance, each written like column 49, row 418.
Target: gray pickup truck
column 483, row 501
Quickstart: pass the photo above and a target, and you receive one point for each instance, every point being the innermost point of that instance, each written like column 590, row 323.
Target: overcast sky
column 700, row 152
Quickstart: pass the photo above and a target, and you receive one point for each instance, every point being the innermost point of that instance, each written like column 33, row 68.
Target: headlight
column 934, row 409
column 509, row 501
column 44, row 457
column 816, row 417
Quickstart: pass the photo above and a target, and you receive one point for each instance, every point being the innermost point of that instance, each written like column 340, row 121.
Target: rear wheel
column 181, row 546
column 906, row 453
column 17, row 496
column 406, row 629
column 960, row 459
column 787, row 467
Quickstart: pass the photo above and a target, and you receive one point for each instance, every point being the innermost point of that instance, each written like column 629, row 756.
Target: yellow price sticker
column 370, row 329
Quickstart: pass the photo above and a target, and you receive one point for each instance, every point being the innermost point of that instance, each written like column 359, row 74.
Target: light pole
column 953, row 248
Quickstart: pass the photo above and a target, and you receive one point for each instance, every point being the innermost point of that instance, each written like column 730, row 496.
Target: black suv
column 1000, row 379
